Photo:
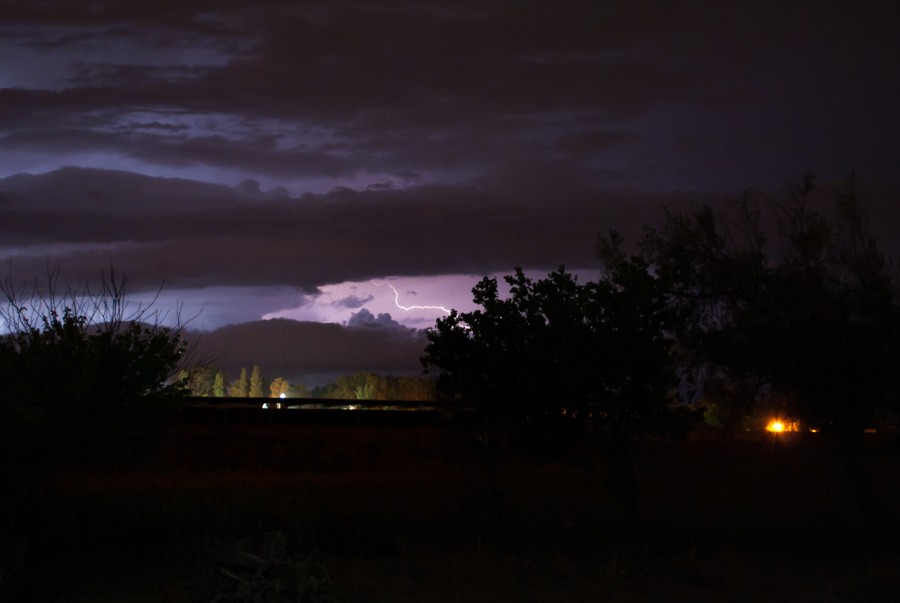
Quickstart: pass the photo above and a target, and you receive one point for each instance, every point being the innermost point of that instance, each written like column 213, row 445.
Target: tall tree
column 240, row 387
column 597, row 351
column 219, row 385
column 80, row 360
column 594, row 356
column 84, row 379
column 256, row 383
column 279, row 387
column 805, row 308
column 792, row 296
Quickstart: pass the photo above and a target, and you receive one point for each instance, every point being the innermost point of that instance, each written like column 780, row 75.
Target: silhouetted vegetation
column 82, row 377
column 774, row 303
column 790, row 303
column 395, row 514
column 777, row 298
column 81, row 367
column 777, row 303
column 788, row 299
column 563, row 361
column 593, row 354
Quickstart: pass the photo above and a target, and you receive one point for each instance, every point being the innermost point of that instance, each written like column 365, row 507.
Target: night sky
column 333, row 161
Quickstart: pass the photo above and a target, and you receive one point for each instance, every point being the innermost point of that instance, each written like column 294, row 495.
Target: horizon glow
column 338, row 302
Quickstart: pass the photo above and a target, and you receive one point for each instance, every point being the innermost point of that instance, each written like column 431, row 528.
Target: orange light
column 775, row 426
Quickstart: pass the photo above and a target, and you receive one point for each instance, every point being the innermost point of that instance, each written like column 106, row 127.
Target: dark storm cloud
column 293, row 349
column 395, row 87
column 364, row 318
column 353, row 301
column 258, row 154
column 593, row 140
column 191, row 234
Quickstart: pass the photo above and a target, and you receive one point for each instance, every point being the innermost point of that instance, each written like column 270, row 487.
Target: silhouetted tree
column 561, row 354
column 596, row 351
column 84, row 376
column 78, row 363
column 795, row 300
column 784, row 297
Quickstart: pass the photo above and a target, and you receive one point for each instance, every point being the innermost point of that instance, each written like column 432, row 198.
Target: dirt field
column 410, row 513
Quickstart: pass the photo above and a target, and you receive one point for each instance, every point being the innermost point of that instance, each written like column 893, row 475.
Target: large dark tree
column 82, row 376
column 75, row 361
column 557, row 353
column 595, row 351
column 792, row 298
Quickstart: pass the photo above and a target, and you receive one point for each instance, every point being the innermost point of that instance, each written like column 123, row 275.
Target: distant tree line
column 207, row 380
column 81, row 367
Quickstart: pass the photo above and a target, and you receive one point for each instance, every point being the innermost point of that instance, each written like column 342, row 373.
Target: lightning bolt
column 408, row 308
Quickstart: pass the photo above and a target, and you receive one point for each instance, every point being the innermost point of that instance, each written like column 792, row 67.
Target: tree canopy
column 595, row 352
column 788, row 298
column 77, row 367
column 792, row 297
column 82, row 377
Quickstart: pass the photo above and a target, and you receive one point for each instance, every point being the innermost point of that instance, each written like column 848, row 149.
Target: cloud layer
column 315, row 94
column 191, row 235
column 273, row 158
column 309, row 352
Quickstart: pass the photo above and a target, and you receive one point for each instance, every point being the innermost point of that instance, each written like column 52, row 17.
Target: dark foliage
column 65, row 368
column 788, row 299
column 81, row 381
column 78, row 371
column 595, row 354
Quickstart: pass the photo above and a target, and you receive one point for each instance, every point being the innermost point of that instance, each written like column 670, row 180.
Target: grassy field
column 381, row 513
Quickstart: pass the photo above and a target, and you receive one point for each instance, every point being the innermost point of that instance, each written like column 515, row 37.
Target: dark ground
column 410, row 513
